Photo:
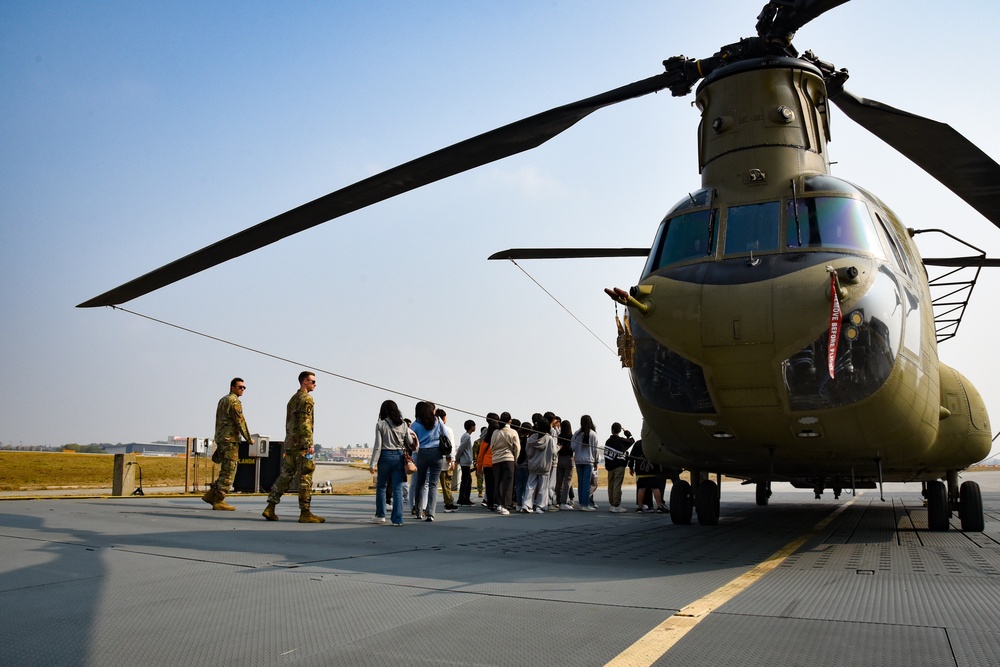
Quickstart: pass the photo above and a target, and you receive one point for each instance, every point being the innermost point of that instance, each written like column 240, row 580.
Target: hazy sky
column 132, row 133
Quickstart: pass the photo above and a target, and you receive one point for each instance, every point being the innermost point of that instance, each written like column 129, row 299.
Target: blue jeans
column 520, row 484
column 390, row 471
column 428, row 474
column 583, row 473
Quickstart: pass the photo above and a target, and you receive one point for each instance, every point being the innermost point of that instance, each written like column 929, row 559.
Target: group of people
column 297, row 455
column 524, row 467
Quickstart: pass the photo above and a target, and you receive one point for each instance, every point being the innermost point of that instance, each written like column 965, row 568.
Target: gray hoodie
column 541, row 453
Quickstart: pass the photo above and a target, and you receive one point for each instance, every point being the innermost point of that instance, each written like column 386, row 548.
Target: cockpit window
column 830, row 222
column 682, row 238
column 827, row 183
column 752, row 228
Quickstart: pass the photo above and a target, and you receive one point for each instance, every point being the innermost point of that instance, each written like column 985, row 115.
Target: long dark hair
column 390, row 411
column 491, row 425
column 424, row 413
column 541, row 424
column 587, row 424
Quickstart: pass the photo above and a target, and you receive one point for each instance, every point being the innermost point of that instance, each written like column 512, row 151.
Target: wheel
column 763, row 493
column 970, row 507
column 707, row 503
column 938, row 513
column 680, row 502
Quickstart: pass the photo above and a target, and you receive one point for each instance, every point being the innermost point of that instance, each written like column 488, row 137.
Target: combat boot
column 269, row 513
column 209, row 497
column 308, row 517
column 221, row 504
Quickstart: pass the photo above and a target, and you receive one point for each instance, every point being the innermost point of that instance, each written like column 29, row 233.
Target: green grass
column 38, row 471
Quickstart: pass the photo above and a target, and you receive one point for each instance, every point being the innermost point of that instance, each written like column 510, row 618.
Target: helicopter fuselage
column 787, row 330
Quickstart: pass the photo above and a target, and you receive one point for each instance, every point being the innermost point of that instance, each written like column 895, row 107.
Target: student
column 564, row 466
column 392, row 436
column 541, row 448
column 506, row 446
column 615, row 450
column 464, row 460
column 585, row 454
column 429, row 429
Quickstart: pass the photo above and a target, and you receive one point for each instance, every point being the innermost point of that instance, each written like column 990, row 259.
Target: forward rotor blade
column 935, row 147
column 962, row 262
column 806, row 10
column 785, row 18
column 503, row 142
column 568, row 253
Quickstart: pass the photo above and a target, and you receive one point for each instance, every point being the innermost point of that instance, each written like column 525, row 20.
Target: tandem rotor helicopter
column 783, row 327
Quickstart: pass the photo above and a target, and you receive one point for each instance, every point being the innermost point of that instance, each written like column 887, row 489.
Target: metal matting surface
column 747, row 640
column 168, row 581
column 931, row 601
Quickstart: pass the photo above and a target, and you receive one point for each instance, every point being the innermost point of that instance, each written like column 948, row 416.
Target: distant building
column 174, row 445
column 148, row 448
column 362, row 453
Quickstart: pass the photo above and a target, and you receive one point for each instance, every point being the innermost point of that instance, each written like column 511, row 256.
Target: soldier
column 229, row 426
column 298, row 452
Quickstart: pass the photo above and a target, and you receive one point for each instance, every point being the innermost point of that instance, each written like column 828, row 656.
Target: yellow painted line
column 655, row 643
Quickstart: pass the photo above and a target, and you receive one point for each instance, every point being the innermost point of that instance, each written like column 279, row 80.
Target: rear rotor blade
column 503, row 142
column 568, row 253
column 935, row 147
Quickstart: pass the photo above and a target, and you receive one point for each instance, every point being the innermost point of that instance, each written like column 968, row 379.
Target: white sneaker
column 539, row 510
column 503, row 511
column 565, row 506
column 589, row 508
column 378, row 519
column 524, row 510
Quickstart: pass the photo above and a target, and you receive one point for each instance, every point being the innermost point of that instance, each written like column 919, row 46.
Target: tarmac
column 164, row 580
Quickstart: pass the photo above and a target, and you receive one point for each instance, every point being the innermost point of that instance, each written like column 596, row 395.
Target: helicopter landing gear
column 938, row 510
column 684, row 499
column 707, row 503
column 763, row 493
column 970, row 508
column 681, row 503
column 941, row 500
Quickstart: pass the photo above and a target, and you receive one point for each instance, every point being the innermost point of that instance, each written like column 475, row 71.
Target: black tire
column 707, row 503
column 938, row 512
column 970, row 508
column 763, row 493
column 680, row 502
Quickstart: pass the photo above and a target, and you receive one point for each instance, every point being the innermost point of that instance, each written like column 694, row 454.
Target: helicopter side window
column 753, row 228
column 830, row 222
column 893, row 242
column 684, row 237
column 889, row 240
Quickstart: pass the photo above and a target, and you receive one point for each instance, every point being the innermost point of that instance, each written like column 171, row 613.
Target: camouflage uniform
column 229, row 426
column 298, row 440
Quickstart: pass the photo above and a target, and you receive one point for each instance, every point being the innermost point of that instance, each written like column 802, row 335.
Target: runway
column 158, row 581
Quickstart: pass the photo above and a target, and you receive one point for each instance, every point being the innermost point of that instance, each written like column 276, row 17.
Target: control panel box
column 260, row 446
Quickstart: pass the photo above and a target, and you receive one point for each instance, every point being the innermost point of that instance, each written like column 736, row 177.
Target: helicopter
column 734, row 367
